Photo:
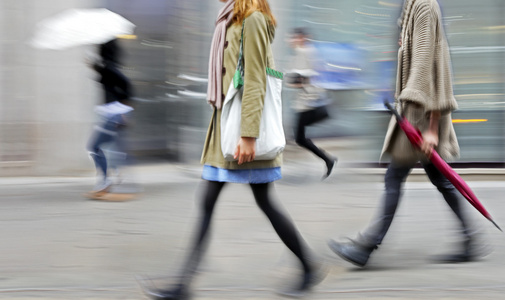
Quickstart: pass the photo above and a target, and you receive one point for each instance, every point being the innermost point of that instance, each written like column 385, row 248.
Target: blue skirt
column 241, row 176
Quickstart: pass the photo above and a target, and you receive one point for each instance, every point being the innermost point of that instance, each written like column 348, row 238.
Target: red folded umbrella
column 415, row 137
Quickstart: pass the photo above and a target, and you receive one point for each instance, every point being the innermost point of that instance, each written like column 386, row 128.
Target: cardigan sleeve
column 429, row 83
column 422, row 51
column 256, row 41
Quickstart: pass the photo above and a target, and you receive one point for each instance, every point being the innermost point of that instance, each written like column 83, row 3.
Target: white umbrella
column 80, row 27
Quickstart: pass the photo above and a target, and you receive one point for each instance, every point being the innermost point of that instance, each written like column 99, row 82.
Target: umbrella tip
column 496, row 225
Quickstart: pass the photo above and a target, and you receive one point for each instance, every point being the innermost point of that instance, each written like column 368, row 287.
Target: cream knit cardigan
column 423, row 82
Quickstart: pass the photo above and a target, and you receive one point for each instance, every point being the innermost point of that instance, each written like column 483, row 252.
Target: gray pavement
column 55, row 244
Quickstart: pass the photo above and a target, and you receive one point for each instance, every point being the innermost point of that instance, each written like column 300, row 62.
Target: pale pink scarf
column 215, row 85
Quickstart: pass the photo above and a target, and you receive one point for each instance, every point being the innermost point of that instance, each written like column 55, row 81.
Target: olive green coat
column 258, row 34
column 423, row 83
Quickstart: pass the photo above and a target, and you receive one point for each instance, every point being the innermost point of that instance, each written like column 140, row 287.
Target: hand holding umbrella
column 415, row 137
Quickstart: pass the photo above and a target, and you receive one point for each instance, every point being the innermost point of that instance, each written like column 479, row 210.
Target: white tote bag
column 271, row 140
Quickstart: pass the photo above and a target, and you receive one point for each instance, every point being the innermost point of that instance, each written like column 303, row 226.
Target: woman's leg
column 282, row 225
column 210, row 196
column 95, row 149
column 180, row 289
column 304, row 119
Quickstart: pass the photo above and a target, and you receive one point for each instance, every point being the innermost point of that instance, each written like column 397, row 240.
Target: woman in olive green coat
column 259, row 28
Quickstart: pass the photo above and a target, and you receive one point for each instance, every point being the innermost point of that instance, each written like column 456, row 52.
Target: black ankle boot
column 465, row 254
column 311, row 278
column 330, row 163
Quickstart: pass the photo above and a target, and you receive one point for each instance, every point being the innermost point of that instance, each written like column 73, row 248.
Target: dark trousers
column 394, row 179
column 307, row 118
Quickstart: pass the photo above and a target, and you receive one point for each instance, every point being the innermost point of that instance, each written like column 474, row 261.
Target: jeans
column 395, row 176
column 107, row 133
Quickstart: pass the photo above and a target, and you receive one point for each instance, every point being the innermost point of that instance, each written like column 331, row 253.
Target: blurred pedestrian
column 259, row 28
column 424, row 95
column 114, row 115
column 311, row 102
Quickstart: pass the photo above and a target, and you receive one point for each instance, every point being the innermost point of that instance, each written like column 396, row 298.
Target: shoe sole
column 441, row 259
column 293, row 294
column 113, row 197
column 97, row 193
column 150, row 290
column 93, row 195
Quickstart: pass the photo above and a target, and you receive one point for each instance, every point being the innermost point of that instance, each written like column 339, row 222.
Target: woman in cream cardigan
column 259, row 31
column 424, row 96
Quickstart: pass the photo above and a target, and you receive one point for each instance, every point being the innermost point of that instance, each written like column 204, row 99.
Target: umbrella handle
column 392, row 110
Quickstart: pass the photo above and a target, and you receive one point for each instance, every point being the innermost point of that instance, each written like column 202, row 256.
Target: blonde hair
column 244, row 8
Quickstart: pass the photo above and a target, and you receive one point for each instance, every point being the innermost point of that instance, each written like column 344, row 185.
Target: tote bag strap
column 238, row 77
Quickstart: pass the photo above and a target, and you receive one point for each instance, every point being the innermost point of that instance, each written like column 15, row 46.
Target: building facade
column 47, row 97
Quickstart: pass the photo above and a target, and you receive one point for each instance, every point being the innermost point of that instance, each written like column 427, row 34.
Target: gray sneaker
column 352, row 251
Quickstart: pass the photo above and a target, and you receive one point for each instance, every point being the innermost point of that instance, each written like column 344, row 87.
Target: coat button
column 226, row 44
column 224, row 70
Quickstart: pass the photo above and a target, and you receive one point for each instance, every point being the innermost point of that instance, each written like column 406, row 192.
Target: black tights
column 282, row 225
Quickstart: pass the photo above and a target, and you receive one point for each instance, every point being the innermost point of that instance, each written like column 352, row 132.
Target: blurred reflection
column 357, row 47
column 167, row 63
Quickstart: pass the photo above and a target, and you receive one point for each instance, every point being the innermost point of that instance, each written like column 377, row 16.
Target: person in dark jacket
column 114, row 112
column 115, row 85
